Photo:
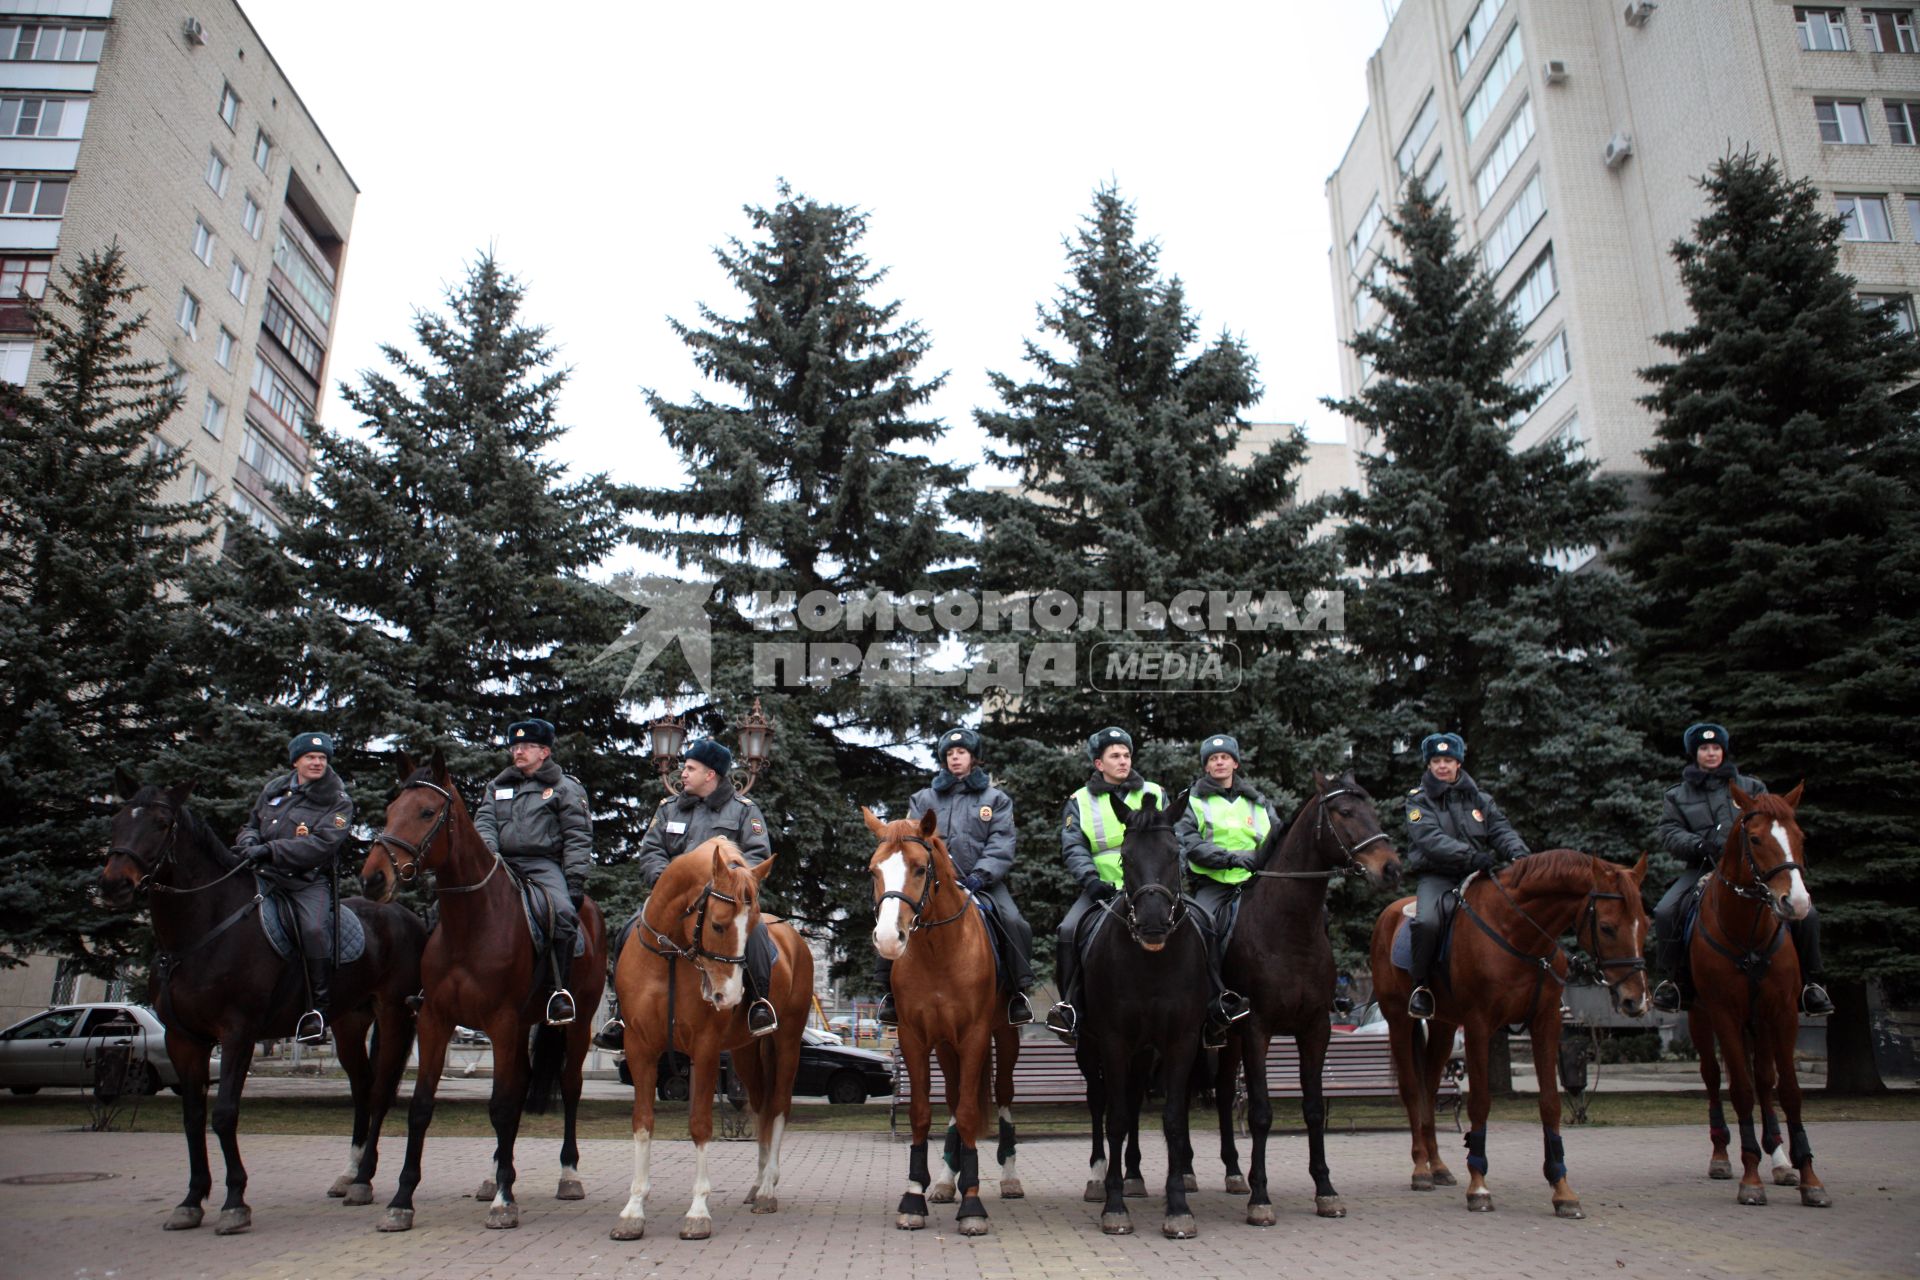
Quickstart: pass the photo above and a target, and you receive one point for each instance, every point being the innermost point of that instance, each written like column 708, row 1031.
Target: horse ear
column 1793, row 797
column 125, row 785
column 1179, row 809
column 178, row 794
column 719, row 863
column 438, row 764
column 1740, row 797
column 1639, row 870
column 765, row 868
column 929, row 823
column 407, row 767
column 874, row 824
column 1319, row 782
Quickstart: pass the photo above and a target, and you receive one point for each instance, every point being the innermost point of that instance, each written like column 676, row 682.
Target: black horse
column 1279, row 958
column 217, row 980
column 1146, row 991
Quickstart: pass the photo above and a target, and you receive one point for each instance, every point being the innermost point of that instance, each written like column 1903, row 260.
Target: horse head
column 1615, row 932
column 144, row 836
column 426, row 802
column 1347, row 832
column 712, row 887
column 905, row 877
column 1765, row 854
column 1152, row 871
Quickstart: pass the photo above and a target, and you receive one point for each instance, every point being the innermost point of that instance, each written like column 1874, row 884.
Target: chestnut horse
column 701, row 912
column 1747, row 976
column 1507, row 966
column 478, row 971
column 1280, row 959
column 949, row 1000
column 217, row 980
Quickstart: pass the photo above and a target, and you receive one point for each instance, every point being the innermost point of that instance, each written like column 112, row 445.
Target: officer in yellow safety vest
column 1225, row 825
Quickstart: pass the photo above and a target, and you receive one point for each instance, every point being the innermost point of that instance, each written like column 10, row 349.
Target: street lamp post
column 668, row 735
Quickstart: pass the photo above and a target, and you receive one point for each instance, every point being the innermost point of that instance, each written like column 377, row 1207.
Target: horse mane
column 198, row 829
column 1549, row 865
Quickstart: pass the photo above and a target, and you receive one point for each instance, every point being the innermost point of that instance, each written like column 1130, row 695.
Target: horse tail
column 549, row 1058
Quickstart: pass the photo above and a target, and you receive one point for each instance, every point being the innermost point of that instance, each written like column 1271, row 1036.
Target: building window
column 1841, row 120
column 223, row 349
column 229, row 106
column 1423, row 126
column 1822, row 30
column 271, row 465
column 24, row 277
column 1506, row 65
column 1511, row 231
column 263, row 150
column 1366, row 299
column 305, row 276
column 1549, row 368
column 1363, row 234
column 176, row 378
column 218, row 172
column 31, row 117
column 1890, row 30
column 1536, row 289
column 1435, row 178
column 203, row 241
column 1913, row 214
column 189, row 315
column 213, row 417
column 1474, row 36
column 52, row 44
column 1865, row 217
column 15, row 358
column 239, row 281
column 1902, row 119
column 1506, row 152
column 293, row 338
column 252, row 512
column 33, row 197
column 202, row 484
column 1899, row 305
column 287, row 404
column 251, row 216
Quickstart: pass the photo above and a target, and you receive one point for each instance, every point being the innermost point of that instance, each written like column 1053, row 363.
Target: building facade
column 1568, row 136
column 171, row 131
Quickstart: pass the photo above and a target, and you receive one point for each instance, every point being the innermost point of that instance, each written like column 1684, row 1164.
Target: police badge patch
column 986, row 813
column 300, row 830
column 547, row 794
column 339, row 819
column 1478, row 816
column 757, row 827
column 1413, row 815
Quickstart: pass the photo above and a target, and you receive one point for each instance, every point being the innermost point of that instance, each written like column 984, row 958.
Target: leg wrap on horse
column 968, row 1183
column 1004, row 1152
column 1749, row 1145
column 1769, row 1129
column 950, row 1153
column 1477, row 1151
column 1799, row 1150
column 1555, row 1167
column 1717, row 1124
column 915, row 1202
column 760, row 954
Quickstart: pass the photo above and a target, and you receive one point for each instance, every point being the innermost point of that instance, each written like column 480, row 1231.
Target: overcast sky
column 602, row 151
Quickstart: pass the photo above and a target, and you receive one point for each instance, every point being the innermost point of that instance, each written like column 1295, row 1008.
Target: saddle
column 540, row 910
column 1001, row 941
column 283, row 933
column 1402, row 951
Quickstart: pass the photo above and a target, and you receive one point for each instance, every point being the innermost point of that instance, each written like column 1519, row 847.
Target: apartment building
column 171, row 130
column 1567, row 137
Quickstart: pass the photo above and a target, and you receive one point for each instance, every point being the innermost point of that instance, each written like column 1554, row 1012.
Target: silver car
column 66, row 1048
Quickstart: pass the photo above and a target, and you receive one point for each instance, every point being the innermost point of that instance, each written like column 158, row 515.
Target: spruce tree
column 91, row 558
column 808, row 475
column 1780, row 557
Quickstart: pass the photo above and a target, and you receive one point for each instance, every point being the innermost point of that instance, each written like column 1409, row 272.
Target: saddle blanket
column 1401, row 952
column 536, row 918
column 276, row 917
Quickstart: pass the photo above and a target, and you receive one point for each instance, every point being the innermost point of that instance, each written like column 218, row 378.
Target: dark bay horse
column 1747, row 975
column 680, row 979
column 1280, row 959
column 478, row 971
column 1507, row 966
column 947, row 993
column 218, row 981
column 1146, row 996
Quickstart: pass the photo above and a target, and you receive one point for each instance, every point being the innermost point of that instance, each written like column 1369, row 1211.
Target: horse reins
column 1753, row 962
column 926, row 892
column 147, row 883
column 417, row 850
column 1543, row 964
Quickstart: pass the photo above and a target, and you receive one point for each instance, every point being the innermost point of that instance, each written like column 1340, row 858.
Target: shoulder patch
column 339, row 819
column 1414, row 792
column 758, row 826
column 1413, row 815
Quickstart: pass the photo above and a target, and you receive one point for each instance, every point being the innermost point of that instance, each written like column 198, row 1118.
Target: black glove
column 1481, row 861
column 1103, row 891
column 1710, row 844
column 1241, row 861
column 260, row 853
column 973, row 882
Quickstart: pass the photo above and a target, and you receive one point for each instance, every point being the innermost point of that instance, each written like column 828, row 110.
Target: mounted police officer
column 537, row 818
column 708, row 806
column 1694, row 823
column 975, row 818
column 1225, row 825
column 295, row 832
column 1454, row 828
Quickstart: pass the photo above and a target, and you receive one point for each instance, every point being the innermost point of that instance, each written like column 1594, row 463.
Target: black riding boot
column 1425, row 950
column 1064, row 1018
column 613, row 1032
column 1225, row 1008
column 761, row 1017
column 312, row 1027
column 1670, row 954
column 888, row 1016
column 560, row 1010
column 1806, row 940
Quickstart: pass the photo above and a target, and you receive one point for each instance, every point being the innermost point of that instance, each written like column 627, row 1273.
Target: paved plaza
column 1651, row 1212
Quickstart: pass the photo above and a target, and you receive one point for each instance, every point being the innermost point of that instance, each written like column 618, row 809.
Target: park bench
column 1045, row 1072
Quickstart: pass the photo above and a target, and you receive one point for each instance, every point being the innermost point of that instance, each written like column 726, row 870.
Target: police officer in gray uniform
column 1454, row 828
column 537, row 818
column 975, row 818
column 296, row 830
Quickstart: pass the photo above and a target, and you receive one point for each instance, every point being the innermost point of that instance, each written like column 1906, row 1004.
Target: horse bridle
column 1597, row 966
column 1758, row 891
column 416, row 851
column 147, row 883
column 1350, row 853
column 662, row 945
column 919, row 905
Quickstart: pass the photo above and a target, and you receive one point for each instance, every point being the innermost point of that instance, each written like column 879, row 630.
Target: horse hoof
column 910, row 1222
column 1785, row 1178
column 1816, row 1198
column 628, row 1229
column 1189, row 1183
column 571, row 1189
column 1261, row 1215
column 1720, row 1170
column 1010, row 1189
column 1116, row 1224
column 339, row 1187
column 1568, row 1209
column 397, row 1220
column 1329, row 1207
column 1096, row 1191
column 185, row 1218
column 234, row 1221
column 1481, row 1203
column 1134, row 1188
column 692, row 1228
column 1237, row 1185
column 942, row 1193
column 973, row 1226
column 503, row 1217
column 1423, row 1182
column 1751, row 1194
column 766, row 1204
column 1445, row 1178
column 359, row 1194
column 487, row 1190
column 1180, row 1228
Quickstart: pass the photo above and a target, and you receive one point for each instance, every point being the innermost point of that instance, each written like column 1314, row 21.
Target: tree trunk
column 1500, row 1066
column 1851, row 1068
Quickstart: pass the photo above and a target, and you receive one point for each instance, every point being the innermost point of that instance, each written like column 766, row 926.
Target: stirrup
column 560, row 1008
column 1064, row 1021
column 1815, row 1001
column 611, row 1035
column 888, row 1016
column 1234, row 1006
column 1019, row 1009
column 762, row 1019
column 1666, row 996
column 1418, row 1009
column 312, row 1028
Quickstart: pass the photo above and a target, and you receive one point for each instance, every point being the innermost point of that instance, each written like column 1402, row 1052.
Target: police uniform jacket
column 304, row 825
column 975, row 818
column 1075, row 844
column 1196, row 843
column 540, row 816
column 1448, row 826
column 1701, row 803
column 683, row 822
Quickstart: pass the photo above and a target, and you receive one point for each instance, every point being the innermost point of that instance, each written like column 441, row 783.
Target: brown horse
column 949, row 1000
column 217, row 980
column 701, row 911
column 1748, row 979
column 1507, row 966
column 479, row 971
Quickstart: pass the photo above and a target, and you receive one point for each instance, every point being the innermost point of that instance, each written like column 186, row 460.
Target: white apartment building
column 1567, row 136
column 171, row 130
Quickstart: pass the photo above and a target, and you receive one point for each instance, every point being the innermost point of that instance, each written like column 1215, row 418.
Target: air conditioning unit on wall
column 1556, row 71
column 1638, row 11
column 1619, row 147
column 193, row 31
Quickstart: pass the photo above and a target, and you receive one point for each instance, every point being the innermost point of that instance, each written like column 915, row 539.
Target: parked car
column 1371, row 1021
column 828, row 1069
column 869, row 1028
column 62, row 1048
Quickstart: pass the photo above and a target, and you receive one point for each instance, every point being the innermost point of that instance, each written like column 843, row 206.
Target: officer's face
column 1221, row 767
column 529, row 756
column 311, row 767
column 696, row 779
column 1445, row 768
column 1709, row 755
column 1115, row 763
column 959, row 761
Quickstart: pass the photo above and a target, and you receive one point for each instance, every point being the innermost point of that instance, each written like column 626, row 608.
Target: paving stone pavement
column 1651, row 1212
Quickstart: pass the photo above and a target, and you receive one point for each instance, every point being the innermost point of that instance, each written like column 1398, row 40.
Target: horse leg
column 912, row 1213
column 1312, row 1047
column 778, row 1108
column 579, row 1040
column 392, row 1043
column 943, row 1190
column 1406, row 1043
column 1224, row 1079
column 1766, row 1089
column 1439, row 1036
column 435, row 1030
column 1546, row 1060
column 1006, row 1050
column 1134, row 1185
column 698, row 1222
column 1813, row 1192
column 748, row 1067
column 1259, row 1120
column 236, row 1056
column 643, row 1061
column 1700, row 1030
column 191, row 1063
column 972, row 1094
column 509, row 1098
column 1479, row 1103
column 1097, row 1110
column 350, row 1046
column 1179, row 1223
column 1731, row 1034
column 1115, row 1061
